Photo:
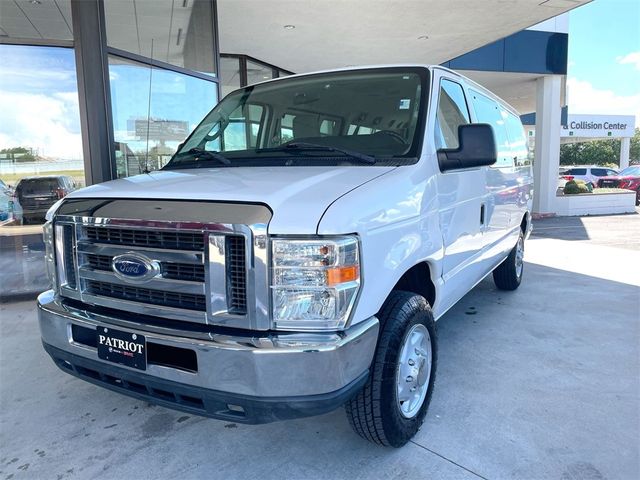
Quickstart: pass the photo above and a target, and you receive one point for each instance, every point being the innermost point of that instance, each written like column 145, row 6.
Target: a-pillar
column 625, row 146
column 547, row 148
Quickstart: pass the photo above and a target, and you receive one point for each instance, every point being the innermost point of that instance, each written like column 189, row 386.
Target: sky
column 39, row 101
column 604, row 58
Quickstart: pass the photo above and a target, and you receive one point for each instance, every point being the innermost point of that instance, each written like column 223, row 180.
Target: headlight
column 314, row 282
column 49, row 256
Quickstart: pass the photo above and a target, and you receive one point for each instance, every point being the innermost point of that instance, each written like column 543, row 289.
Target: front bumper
column 244, row 378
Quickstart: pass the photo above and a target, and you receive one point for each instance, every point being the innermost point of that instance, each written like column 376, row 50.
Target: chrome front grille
column 170, row 240
column 145, row 295
column 176, row 271
column 202, row 274
column 208, row 260
column 68, row 256
column 236, row 274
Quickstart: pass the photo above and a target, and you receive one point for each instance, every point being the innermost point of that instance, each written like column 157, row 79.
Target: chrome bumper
column 282, row 365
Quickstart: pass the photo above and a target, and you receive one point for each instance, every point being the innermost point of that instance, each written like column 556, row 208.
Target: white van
column 295, row 253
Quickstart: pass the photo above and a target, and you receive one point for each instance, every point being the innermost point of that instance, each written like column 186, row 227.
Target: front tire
column 391, row 407
column 508, row 275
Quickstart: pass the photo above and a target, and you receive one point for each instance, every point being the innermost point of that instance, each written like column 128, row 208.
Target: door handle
column 482, row 214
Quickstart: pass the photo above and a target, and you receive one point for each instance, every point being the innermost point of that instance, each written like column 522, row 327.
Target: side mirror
column 476, row 148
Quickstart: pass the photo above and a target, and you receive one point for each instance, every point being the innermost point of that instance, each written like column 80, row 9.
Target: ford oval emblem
column 134, row 267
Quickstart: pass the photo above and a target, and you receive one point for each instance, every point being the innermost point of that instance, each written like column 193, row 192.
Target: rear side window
column 601, row 172
column 38, row 186
column 452, row 112
column 489, row 111
column 577, row 171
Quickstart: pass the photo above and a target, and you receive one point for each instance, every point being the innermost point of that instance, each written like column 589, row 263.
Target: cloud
column 632, row 58
column 583, row 97
column 48, row 123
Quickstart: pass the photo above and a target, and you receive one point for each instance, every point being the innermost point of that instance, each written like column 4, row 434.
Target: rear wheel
column 391, row 407
column 508, row 275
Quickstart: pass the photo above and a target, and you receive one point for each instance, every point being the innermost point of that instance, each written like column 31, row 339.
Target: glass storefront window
column 235, row 68
column 41, row 157
column 229, row 74
column 46, row 20
column 257, row 72
column 176, row 32
column 153, row 111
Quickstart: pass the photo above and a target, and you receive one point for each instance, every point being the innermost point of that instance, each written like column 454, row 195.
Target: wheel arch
column 418, row 280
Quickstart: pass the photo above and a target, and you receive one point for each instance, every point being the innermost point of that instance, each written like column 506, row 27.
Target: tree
column 598, row 152
column 634, row 152
column 18, row 154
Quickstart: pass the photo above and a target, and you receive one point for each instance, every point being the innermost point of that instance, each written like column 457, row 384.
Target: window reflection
column 153, row 111
column 176, row 32
column 240, row 70
column 256, row 72
column 229, row 75
column 40, row 156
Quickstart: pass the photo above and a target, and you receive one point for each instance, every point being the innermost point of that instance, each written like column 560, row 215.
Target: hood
column 297, row 196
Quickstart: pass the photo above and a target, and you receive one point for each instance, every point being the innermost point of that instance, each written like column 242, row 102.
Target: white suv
column 589, row 174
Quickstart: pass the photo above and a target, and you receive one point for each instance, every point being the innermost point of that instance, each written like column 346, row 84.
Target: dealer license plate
column 125, row 348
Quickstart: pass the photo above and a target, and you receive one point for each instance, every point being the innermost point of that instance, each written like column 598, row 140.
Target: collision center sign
column 599, row 126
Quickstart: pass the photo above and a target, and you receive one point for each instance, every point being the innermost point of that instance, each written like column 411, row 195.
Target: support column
column 93, row 90
column 625, row 147
column 547, row 149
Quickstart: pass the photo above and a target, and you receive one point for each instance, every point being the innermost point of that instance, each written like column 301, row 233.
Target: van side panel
column 509, row 180
column 397, row 219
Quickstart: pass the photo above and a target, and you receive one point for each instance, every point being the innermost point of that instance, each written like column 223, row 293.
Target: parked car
column 629, row 179
column 10, row 209
column 298, row 263
column 588, row 174
column 38, row 194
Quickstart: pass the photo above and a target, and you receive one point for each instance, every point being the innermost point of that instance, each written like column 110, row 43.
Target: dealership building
column 136, row 76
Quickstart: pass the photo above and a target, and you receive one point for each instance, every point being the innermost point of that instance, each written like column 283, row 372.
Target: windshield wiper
column 310, row 147
column 201, row 153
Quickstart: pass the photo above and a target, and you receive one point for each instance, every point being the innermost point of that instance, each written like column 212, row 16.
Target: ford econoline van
column 296, row 252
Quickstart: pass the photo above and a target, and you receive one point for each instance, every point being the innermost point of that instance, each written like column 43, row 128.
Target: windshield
column 633, row 170
column 362, row 117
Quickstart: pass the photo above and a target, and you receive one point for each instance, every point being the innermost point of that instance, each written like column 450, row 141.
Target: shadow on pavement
column 561, row 228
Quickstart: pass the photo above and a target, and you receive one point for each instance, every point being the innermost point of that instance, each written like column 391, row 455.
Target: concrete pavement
column 539, row 383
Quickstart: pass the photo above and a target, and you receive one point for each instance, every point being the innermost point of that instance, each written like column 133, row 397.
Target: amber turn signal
column 339, row 275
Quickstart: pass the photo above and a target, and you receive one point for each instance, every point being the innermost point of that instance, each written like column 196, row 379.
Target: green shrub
column 576, row 186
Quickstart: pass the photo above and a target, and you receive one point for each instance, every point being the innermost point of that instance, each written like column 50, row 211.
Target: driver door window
column 452, row 112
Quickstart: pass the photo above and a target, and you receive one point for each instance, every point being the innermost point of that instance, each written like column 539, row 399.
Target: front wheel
column 391, row 407
column 508, row 275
